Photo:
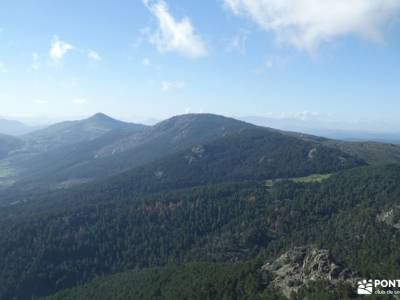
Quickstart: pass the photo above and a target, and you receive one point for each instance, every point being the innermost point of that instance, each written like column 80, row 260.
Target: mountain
column 194, row 143
column 202, row 200
column 249, row 154
column 11, row 127
column 73, row 132
column 100, row 147
column 62, row 145
column 374, row 153
column 115, row 151
column 8, row 144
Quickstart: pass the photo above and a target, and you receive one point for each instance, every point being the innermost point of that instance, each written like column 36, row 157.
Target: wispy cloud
column 301, row 115
column 172, row 86
column 305, row 24
column 79, row 101
column 173, row 35
column 59, row 49
column 93, row 55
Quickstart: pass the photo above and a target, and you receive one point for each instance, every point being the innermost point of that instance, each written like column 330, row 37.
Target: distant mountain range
column 11, row 127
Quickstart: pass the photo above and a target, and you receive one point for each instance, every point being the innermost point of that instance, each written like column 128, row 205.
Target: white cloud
column 172, row 86
column 306, row 24
column 172, row 35
column 301, row 115
column 79, row 101
column 93, row 55
column 3, row 68
column 59, row 49
column 35, row 61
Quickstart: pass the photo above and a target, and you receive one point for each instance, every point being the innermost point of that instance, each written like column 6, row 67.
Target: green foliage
column 193, row 281
column 372, row 152
column 186, row 150
column 198, row 196
column 58, row 243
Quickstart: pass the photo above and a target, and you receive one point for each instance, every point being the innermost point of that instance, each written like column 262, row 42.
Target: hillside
column 372, row 152
column 8, row 144
column 244, row 280
column 251, row 154
column 11, row 127
column 120, row 150
column 72, row 132
column 248, row 154
column 59, row 244
column 195, row 281
column 194, row 188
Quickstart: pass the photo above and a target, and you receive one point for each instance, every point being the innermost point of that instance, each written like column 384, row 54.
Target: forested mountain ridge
column 251, row 153
column 73, row 132
column 194, row 188
column 121, row 149
column 72, row 153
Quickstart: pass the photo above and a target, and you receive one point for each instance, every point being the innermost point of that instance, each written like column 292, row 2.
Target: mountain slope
column 374, row 153
column 196, row 191
column 72, row 132
column 8, row 144
column 63, row 246
column 121, row 149
column 11, row 127
column 178, row 133
column 237, row 146
column 250, row 154
column 196, row 281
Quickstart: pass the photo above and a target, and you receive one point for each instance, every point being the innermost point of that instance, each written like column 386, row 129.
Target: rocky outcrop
column 302, row 265
column 390, row 217
column 195, row 154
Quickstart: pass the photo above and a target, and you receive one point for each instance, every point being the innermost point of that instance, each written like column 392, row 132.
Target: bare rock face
column 196, row 153
column 390, row 217
column 301, row 265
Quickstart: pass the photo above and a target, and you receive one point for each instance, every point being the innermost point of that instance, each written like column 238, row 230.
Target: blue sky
column 334, row 60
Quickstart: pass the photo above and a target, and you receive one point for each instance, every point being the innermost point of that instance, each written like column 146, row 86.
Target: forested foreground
column 197, row 281
column 54, row 247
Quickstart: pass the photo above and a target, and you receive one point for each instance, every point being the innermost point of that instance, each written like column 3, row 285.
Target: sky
column 333, row 61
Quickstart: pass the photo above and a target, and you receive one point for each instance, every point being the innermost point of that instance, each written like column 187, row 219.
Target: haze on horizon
column 142, row 60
